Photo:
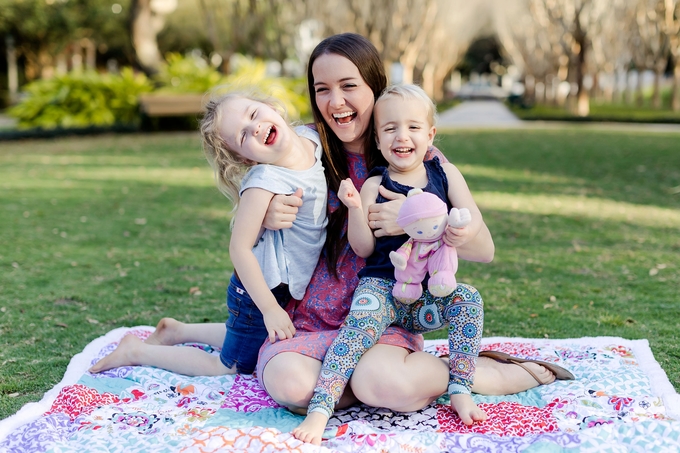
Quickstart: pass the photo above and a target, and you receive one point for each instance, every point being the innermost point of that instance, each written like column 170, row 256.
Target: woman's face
column 344, row 99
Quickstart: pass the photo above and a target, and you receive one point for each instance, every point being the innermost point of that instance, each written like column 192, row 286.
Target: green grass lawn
column 98, row 233
column 600, row 112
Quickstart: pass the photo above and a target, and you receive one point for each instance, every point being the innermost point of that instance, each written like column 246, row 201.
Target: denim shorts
column 245, row 326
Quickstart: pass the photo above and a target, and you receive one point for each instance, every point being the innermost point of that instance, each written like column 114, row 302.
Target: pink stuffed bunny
column 423, row 217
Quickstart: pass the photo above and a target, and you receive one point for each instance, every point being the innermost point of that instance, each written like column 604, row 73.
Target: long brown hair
column 365, row 57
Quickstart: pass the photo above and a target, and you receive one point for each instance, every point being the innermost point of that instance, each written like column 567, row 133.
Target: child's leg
column 169, row 332
column 245, row 327
column 464, row 311
column 179, row 359
column 371, row 312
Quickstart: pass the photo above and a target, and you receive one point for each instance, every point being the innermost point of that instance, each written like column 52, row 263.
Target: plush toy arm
column 400, row 257
column 459, row 218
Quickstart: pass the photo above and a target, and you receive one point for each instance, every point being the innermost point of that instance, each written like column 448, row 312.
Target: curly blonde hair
column 228, row 165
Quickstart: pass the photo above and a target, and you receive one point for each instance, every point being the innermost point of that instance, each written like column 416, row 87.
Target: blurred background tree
column 565, row 54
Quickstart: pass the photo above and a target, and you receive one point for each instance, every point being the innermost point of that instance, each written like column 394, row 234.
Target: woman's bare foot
column 166, row 333
column 466, row 409
column 312, row 428
column 123, row 355
column 497, row 378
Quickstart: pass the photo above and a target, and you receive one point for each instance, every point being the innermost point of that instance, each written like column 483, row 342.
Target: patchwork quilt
column 621, row 401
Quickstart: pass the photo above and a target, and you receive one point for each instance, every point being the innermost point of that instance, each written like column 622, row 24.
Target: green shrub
column 291, row 91
column 194, row 74
column 187, row 74
column 81, row 99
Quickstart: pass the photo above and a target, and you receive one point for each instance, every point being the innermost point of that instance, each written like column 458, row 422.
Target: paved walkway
column 482, row 114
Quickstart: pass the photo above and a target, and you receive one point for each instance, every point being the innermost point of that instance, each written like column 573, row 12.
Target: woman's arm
column 251, row 212
column 473, row 242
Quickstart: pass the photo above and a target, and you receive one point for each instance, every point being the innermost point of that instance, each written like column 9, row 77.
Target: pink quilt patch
column 514, row 349
column 77, row 399
column 505, row 419
column 247, row 395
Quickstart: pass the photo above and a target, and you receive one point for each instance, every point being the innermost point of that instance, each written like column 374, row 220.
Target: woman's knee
column 290, row 381
column 377, row 380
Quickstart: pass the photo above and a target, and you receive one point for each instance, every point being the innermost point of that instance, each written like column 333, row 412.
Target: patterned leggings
column 374, row 309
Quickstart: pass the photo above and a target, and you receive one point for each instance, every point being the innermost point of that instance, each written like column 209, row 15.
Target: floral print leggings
column 374, row 309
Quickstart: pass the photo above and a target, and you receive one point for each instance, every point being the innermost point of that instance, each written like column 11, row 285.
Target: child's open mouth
column 271, row 136
column 402, row 151
column 344, row 118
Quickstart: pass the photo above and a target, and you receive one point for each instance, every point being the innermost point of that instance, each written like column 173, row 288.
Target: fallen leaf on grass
column 61, row 324
column 92, row 321
column 195, row 291
column 65, row 301
column 14, row 395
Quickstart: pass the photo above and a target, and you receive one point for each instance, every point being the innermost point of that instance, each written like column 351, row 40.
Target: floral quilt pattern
column 611, row 406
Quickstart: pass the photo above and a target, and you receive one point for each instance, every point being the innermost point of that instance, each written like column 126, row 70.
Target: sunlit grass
column 102, row 232
column 574, row 206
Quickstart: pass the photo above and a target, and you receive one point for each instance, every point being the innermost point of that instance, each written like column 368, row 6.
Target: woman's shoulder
column 433, row 152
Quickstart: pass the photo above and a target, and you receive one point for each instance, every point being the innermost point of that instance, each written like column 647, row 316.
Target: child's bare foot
column 311, row 429
column 123, row 355
column 466, row 409
column 165, row 333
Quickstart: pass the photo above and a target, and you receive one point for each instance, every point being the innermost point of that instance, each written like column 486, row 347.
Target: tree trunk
column 656, row 96
column 639, row 100
column 428, row 79
column 583, row 100
column 408, row 64
column 144, row 28
column 675, row 98
column 12, row 70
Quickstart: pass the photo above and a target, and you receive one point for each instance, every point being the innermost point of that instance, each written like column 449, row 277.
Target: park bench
column 171, row 104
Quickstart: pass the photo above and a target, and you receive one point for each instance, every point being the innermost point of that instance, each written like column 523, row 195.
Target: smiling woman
column 344, row 99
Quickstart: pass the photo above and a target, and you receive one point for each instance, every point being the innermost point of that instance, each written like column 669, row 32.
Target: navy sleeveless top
column 379, row 264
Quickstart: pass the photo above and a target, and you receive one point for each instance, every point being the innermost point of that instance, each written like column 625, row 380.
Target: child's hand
column 348, row 194
column 455, row 237
column 278, row 324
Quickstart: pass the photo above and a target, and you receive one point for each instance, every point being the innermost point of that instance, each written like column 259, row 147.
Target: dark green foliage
column 80, row 99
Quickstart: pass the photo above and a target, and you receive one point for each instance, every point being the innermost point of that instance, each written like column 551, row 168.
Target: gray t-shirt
column 290, row 255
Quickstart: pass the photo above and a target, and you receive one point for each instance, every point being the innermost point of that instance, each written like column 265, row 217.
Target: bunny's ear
column 415, row 191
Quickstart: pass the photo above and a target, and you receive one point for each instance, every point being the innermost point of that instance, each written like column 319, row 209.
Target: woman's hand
column 282, row 211
column 382, row 217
